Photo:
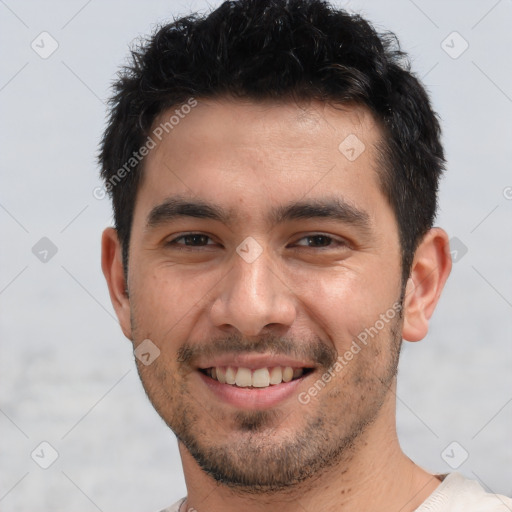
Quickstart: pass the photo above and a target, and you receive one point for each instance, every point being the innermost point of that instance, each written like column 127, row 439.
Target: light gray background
column 67, row 373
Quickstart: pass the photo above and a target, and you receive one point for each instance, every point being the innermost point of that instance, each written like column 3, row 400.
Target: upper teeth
column 260, row 378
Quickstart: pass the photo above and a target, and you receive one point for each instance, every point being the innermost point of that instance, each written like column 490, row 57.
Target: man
column 274, row 169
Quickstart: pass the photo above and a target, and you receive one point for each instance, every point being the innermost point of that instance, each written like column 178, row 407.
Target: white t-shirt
column 455, row 494
column 459, row 494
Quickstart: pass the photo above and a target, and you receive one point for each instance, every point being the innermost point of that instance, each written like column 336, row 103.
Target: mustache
column 314, row 349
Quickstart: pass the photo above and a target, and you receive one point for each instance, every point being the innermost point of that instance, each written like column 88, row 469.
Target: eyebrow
column 175, row 207
column 333, row 208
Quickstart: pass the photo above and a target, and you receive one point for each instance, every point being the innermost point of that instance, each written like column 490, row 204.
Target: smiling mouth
column 258, row 378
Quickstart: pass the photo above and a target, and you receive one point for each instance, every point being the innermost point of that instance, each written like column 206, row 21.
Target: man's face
column 258, row 242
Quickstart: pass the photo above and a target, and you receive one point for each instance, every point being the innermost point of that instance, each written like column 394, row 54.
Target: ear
column 430, row 269
column 112, row 266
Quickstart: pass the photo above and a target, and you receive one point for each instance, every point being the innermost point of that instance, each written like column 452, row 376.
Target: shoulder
column 459, row 494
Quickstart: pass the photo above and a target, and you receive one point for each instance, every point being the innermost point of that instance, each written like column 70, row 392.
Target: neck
column 376, row 477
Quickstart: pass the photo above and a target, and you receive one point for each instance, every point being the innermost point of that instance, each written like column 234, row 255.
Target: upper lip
column 254, row 361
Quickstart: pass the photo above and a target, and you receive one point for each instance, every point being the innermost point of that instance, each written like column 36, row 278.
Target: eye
column 320, row 241
column 191, row 240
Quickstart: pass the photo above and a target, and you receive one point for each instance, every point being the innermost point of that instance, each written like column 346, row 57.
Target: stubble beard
column 254, row 451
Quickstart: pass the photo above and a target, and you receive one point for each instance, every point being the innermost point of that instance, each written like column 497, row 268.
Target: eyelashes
column 313, row 241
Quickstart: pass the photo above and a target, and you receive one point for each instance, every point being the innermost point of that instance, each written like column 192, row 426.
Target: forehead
column 278, row 125
column 258, row 154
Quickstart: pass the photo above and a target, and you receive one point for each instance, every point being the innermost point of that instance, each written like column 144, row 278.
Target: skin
column 305, row 296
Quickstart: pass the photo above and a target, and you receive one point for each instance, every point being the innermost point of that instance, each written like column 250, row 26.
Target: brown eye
column 319, row 241
column 191, row 240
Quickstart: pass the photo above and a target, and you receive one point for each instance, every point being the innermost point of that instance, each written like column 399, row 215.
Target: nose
column 252, row 297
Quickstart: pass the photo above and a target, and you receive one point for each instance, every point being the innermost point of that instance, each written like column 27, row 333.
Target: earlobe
column 430, row 269
column 112, row 266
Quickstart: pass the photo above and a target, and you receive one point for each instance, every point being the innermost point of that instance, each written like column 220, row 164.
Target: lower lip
column 252, row 398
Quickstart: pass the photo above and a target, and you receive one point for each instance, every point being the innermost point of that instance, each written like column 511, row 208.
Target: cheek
column 345, row 302
column 166, row 302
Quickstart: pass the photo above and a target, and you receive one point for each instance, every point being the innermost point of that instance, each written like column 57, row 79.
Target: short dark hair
column 280, row 49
